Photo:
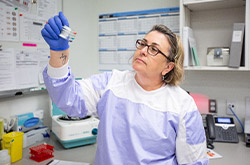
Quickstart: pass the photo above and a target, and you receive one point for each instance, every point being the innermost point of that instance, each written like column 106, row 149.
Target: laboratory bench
column 232, row 153
column 77, row 154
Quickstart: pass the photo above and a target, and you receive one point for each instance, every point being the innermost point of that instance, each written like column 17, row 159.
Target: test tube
column 67, row 33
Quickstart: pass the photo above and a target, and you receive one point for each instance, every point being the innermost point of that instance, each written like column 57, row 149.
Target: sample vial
column 67, row 33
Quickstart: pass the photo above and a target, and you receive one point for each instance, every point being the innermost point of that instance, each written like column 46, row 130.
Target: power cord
column 230, row 108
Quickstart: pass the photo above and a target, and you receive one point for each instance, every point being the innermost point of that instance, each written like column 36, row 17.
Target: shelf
column 198, row 5
column 213, row 68
column 212, row 24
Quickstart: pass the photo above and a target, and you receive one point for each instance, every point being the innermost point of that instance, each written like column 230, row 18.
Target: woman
column 145, row 117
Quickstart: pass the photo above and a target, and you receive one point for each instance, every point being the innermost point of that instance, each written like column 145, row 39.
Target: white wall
column 222, row 86
column 83, row 18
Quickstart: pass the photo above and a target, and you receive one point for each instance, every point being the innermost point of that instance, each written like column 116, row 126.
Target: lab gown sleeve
column 76, row 98
column 191, row 140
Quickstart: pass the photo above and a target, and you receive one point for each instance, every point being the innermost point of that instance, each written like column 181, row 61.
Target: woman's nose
column 144, row 51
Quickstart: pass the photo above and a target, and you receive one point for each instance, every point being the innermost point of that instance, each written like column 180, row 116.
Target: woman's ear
column 168, row 68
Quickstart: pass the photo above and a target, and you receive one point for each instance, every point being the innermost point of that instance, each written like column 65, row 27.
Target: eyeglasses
column 152, row 50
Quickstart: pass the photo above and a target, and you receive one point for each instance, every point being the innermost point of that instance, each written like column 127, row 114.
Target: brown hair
column 176, row 54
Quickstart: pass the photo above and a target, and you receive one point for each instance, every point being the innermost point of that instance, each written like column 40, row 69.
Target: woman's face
column 152, row 65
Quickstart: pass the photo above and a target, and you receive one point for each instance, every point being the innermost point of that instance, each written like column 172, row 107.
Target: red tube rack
column 41, row 152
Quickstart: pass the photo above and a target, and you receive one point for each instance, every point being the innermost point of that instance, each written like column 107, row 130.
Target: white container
column 218, row 56
column 4, row 157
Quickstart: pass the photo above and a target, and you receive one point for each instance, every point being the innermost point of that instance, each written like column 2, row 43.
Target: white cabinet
column 212, row 24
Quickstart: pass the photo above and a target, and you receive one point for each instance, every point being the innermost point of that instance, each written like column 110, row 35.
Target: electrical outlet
column 212, row 106
column 232, row 105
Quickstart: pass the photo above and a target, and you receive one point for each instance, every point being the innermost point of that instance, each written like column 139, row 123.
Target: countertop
column 232, row 153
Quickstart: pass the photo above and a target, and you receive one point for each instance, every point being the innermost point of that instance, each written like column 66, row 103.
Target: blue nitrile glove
column 51, row 32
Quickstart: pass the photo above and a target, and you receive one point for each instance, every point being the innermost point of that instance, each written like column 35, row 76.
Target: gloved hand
column 51, row 32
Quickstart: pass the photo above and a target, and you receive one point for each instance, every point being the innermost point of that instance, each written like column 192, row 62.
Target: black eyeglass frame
column 158, row 51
